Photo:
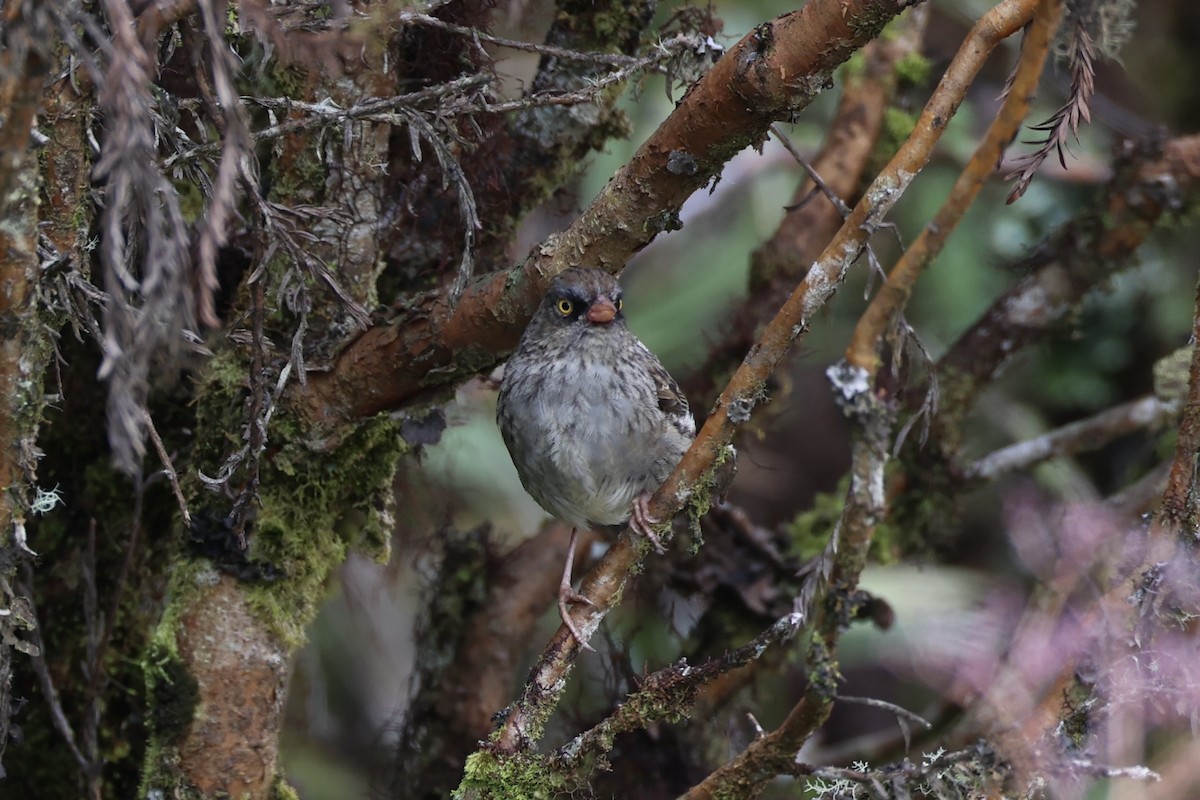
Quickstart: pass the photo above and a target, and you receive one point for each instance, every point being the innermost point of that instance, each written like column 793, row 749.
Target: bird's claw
column 567, row 596
column 641, row 522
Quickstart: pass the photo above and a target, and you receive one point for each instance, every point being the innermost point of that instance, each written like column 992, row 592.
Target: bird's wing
column 671, row 400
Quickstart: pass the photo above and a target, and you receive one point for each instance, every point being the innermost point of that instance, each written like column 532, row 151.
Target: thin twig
column 612, row 59
column 45, row 682
column 1148, row 413
column 168, row 470
column 1140, row 496
column 813, row 175
column 327, row 113
column 453, row 93
column 899, row 711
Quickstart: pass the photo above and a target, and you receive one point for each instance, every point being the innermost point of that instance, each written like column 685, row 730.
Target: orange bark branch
column 777, row 265
column 889, row 303
column 231, row 747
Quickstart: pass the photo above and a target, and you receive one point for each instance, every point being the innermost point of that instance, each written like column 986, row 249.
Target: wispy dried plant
column 1064, row 123
column 144, row 246
column 235, row 162
column 1092, row 28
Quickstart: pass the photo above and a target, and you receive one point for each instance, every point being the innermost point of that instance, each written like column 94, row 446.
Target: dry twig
column 1148, row 413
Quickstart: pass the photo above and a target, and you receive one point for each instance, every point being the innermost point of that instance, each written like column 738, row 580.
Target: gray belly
column 585, row 456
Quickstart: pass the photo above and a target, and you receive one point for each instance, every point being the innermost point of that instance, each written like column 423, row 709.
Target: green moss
column 315, row 505
column 281, row 790
column 922, row 518
column 700, row 501
column 515, row 776
column 1171, row 375
column 172, row 693
column 192, row 203
column 319, row 496
column 299, row 173
column 913, row 69
column 823, row 674
column 897, row 126
column 809, row 532
column 854, row 67
column 1078, row 703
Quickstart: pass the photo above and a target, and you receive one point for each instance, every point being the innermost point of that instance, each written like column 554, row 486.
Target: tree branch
column 1148, row 413
column 1180, row 511
column 1147, row 189
column 24, row 345
column 779, row 263
column 773, row 73
column 603, row 585
column 889, row 303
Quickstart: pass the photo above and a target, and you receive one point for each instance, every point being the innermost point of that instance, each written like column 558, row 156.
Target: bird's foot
column 641, row 522
column 567, row 596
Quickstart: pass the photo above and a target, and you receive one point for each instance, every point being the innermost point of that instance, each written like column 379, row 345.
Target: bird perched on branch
column 592, row 419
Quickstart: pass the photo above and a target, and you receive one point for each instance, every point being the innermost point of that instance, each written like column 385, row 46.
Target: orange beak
column 602, row 311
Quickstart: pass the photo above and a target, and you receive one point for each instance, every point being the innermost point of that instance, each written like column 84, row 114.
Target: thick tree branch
column 24, row 349
column 1180, row 512
column 772, row 74
column 237, row 670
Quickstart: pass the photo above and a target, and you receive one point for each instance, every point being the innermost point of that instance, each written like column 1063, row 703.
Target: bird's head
column 582, row 299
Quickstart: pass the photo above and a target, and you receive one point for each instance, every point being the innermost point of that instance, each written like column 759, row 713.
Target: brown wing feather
column 671, row 400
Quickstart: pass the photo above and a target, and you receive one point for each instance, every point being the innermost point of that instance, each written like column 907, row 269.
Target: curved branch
column 771, row 74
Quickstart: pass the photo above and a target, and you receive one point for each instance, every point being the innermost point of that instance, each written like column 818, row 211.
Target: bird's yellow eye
column 620, row 304
column 564, row 306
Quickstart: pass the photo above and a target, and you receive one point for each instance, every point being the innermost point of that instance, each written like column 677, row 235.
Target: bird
column 593, row 421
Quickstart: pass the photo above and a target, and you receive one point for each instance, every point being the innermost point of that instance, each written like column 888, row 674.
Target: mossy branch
column 772, row 74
